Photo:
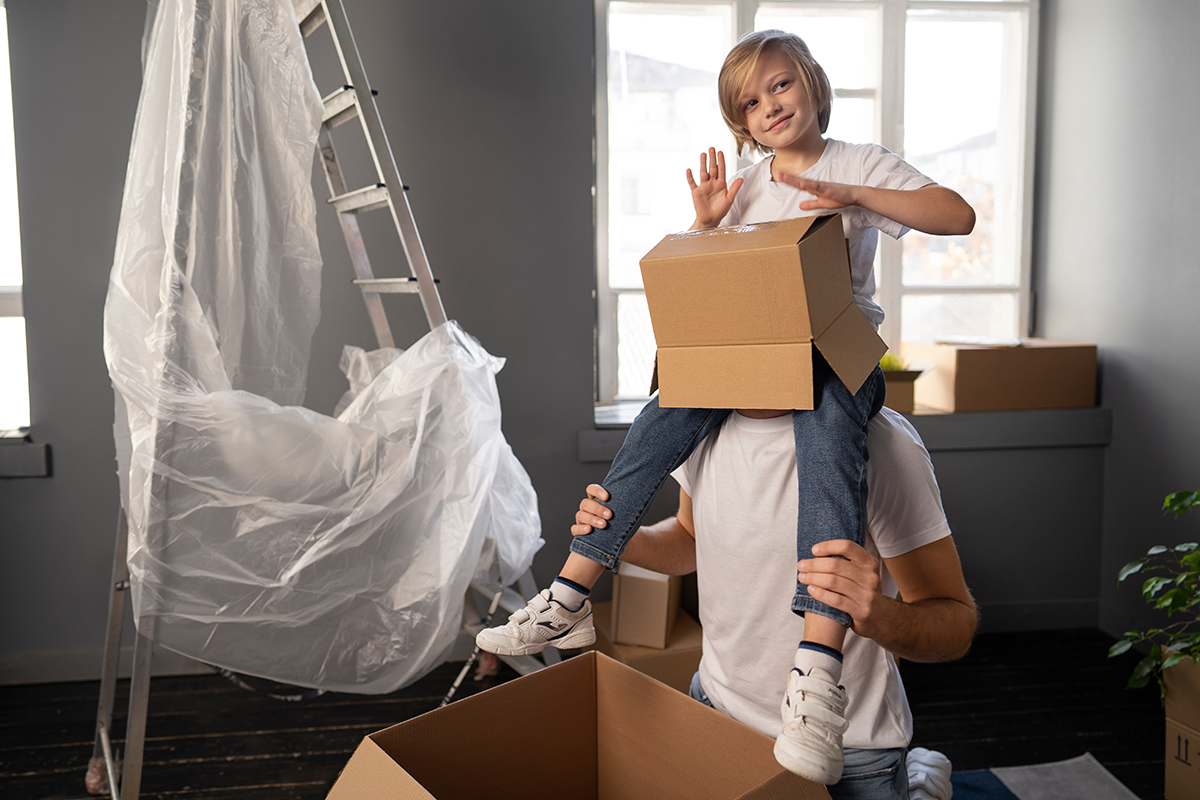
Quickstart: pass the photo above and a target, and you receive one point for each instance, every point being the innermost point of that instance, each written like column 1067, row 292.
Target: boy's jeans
column 866, row 775
column 831, row 457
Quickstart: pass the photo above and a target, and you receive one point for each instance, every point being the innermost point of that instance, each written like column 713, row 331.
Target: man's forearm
column 937, row 629
column 664, row 547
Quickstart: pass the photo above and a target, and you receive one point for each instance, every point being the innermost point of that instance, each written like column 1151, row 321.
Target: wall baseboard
column 59, row 666
column 1046, row 615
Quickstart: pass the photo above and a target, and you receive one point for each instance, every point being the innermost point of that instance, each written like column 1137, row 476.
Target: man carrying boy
column 737, row 504
column 776, row 99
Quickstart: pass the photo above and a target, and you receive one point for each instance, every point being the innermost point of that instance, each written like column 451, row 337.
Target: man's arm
column 668, row 547
column 936, row 617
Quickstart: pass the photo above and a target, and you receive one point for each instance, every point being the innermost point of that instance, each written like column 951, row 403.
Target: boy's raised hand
column 711, row 196
column 829, row 195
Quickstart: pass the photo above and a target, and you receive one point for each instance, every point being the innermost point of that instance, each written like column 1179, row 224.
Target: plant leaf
column 1129, row 569
column 1173, row 658
column 1158, row 549
column 1186, row 547
column 1180, row 502
column 1119, row 647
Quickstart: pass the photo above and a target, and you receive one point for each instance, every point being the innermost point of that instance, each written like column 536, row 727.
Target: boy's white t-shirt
column 763, row 200
column 742, row 481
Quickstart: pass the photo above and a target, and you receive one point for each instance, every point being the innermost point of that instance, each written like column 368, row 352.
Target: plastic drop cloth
column 265, row 538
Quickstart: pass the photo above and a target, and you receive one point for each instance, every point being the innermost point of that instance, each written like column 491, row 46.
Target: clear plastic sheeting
column 332, row 552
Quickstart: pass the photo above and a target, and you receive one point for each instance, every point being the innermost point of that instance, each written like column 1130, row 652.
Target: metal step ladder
column 107, row 773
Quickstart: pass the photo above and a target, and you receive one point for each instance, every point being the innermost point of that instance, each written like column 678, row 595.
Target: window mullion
column 890, row 134
column 606, row 299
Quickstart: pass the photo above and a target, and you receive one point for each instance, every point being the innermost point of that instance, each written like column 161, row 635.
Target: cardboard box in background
column 644, row 606
column 900, row 397
column 1182, row 756
column 737, row 312
column 1039, row 373
column 630, row 738
column 673, row 665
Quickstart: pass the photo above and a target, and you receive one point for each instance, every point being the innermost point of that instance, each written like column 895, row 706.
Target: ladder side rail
column 112, row 657
column 354, row 241
column 385, row 162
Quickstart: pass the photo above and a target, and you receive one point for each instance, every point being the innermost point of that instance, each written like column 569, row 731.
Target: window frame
column 889, row 132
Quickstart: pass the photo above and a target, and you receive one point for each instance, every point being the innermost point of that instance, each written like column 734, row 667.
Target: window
column 948, row 84
column 14, row 374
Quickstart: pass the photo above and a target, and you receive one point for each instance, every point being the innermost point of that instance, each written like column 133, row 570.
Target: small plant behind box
column 892, row 363
column 1172, row 585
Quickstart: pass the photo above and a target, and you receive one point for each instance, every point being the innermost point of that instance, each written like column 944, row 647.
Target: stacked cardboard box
column 1183, row 732
column 644, row 606
column 738, row 311
column 629, row 737
column 673, row 665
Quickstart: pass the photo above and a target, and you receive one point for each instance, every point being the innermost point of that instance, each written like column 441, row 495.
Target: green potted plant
column 1172, row 585
column 899, row 382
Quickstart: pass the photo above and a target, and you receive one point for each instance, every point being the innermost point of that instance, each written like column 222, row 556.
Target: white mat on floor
column 1082, row 778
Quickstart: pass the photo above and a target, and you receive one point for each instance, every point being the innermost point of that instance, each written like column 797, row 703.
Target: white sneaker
column 814, row 719
column 542, row 622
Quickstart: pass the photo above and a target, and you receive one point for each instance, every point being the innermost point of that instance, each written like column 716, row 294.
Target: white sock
column 807, row 658
column 569, row 596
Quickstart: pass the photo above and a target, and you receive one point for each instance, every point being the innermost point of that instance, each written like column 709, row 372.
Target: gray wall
column 1118, row 201
column 476, row 94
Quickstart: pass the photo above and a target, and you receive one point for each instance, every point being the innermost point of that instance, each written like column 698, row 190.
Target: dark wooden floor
column 1016, row 699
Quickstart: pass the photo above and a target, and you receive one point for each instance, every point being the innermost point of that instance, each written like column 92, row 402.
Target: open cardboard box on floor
column 673, row 665
column 644, row 606
column 737, row 312
column 1036, row 373
column 628, row 737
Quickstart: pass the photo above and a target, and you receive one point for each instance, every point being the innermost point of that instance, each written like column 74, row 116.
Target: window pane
column 635, row 350
column 926, row 318
column 845, row 42
column 662, row 113
column 10, row 233
column 14, row 399
column 963, row 92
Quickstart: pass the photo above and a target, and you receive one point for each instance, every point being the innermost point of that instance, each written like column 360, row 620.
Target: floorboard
column 1015, row 699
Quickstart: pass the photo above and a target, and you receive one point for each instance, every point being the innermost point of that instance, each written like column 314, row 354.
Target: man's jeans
column 866, row 775
column 831, row 457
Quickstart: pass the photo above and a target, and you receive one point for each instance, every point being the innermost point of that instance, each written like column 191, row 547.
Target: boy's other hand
column 829, row 195
column 711, row 196
column 591, row 513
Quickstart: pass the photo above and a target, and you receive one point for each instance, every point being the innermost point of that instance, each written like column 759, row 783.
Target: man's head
column 740, row 63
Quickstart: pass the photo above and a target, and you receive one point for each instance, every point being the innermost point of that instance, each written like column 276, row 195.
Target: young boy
column 776, row 99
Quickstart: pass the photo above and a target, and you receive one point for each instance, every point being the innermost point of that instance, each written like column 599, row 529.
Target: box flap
column 852, row 347
column 668, row 745
column 373, row 773
column 825, row 266
column 557, row 704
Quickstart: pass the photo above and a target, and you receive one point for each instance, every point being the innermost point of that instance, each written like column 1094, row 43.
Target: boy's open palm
column 711, row 196
column 829, row 195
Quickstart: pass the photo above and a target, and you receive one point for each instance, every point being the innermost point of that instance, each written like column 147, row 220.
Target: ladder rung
column 340, row 106
column 310, row 14
column 390, row 285
column 363, row 199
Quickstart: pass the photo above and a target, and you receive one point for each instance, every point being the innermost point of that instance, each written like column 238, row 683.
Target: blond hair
column 735, row 74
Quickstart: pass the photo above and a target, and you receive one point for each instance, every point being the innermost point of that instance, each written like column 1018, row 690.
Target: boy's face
column 779, row 113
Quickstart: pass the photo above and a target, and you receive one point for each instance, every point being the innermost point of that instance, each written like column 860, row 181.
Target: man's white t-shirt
column 742, row 481
column 762, row 200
